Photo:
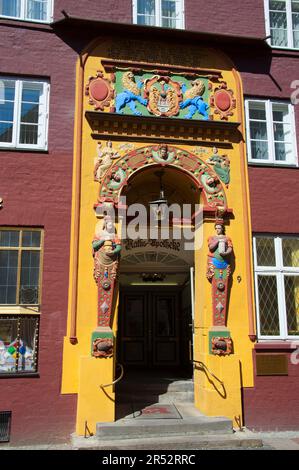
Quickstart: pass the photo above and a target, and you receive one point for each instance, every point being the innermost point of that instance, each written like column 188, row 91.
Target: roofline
column 158, row 32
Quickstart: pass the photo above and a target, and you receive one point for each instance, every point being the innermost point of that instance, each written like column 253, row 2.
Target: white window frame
column 158, row 15
column 43, row 124
column 23, row 9
column 289, row 25
column 279, row 271
column 293, row 160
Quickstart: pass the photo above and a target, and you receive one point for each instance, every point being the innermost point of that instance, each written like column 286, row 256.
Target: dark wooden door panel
column 149, row 329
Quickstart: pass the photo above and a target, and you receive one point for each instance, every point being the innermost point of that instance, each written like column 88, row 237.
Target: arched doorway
column 155, row 311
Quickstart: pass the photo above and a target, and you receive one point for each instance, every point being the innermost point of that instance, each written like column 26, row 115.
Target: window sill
column 25, row 20
column 266, row 345
column 33, row 375
column 19, row 310
column 23, row 150
column 273, row 165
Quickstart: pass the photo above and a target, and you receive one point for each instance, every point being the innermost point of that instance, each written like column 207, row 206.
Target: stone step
column 154, row 397
column 162, row 386
column 127, row 429
column 194, row 442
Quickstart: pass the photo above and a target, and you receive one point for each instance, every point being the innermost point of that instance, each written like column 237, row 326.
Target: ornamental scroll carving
column 203, row 175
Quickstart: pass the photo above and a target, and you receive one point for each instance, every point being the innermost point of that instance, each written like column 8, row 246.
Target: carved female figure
column 105, row 158
column 219, row 270
column 106, row 249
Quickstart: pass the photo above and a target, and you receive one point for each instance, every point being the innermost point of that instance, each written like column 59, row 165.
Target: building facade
column 176, row 101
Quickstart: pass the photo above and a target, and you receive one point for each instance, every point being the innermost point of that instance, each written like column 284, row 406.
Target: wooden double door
column 150, row 330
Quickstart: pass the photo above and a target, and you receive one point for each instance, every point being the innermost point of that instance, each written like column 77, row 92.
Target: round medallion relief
column 98, row 89
column 223, row 100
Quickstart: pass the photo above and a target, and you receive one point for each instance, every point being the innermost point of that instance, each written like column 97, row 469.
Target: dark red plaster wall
column 114, row 10
column 243, row 17
column 240, row 17
column 36, row 188
column 272, row 404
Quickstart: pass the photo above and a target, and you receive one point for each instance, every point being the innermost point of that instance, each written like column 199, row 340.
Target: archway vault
column 201, row 175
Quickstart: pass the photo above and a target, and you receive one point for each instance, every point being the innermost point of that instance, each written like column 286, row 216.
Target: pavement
column 283, row 440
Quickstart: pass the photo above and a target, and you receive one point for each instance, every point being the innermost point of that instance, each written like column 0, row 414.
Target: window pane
column 265, row 251
column 31, row 97
column 28, row 134
column 268, row 305
column 290, row 252
column 279, row 37
column 169, row 13
column 259, row 150
column 283, row 152
column 295, row 6
column 257, row 111
column 296, row 39
column 31, row 238
column 10, row 8
column 169, row 8
column 8, row 276
column 9, row 237
column 295, row 21
column 31, row 92
column 277, row 5
column 258, row 130
column 146, row 12
column 7, row 96
column 146, row 7
column 29, row 113
column 6, row 111
column 291, row 284
column 8, row 345
column 280, row 113
column 6, row 132
column 37, row 10
column 29, row 282
column 282, row 132
column 27, row 344
column 278, row 20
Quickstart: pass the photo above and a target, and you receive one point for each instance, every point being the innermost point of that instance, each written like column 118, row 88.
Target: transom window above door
column 164, row 13
column 282, row 23
column 270, row 132
column 29, row 10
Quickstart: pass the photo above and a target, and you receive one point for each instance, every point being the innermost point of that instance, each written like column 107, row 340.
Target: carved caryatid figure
column 105, row 157
column 218, row 271
column 106, row 250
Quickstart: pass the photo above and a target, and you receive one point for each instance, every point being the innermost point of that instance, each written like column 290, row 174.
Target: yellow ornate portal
column 192, row 104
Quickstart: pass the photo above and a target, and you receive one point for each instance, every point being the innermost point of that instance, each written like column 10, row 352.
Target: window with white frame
column 164, row 13
column 270, row 132
column 30, row 10
column 18, row 344
column 276, row 261
column 23, row 113
column 282, row 22
column 20, row 266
